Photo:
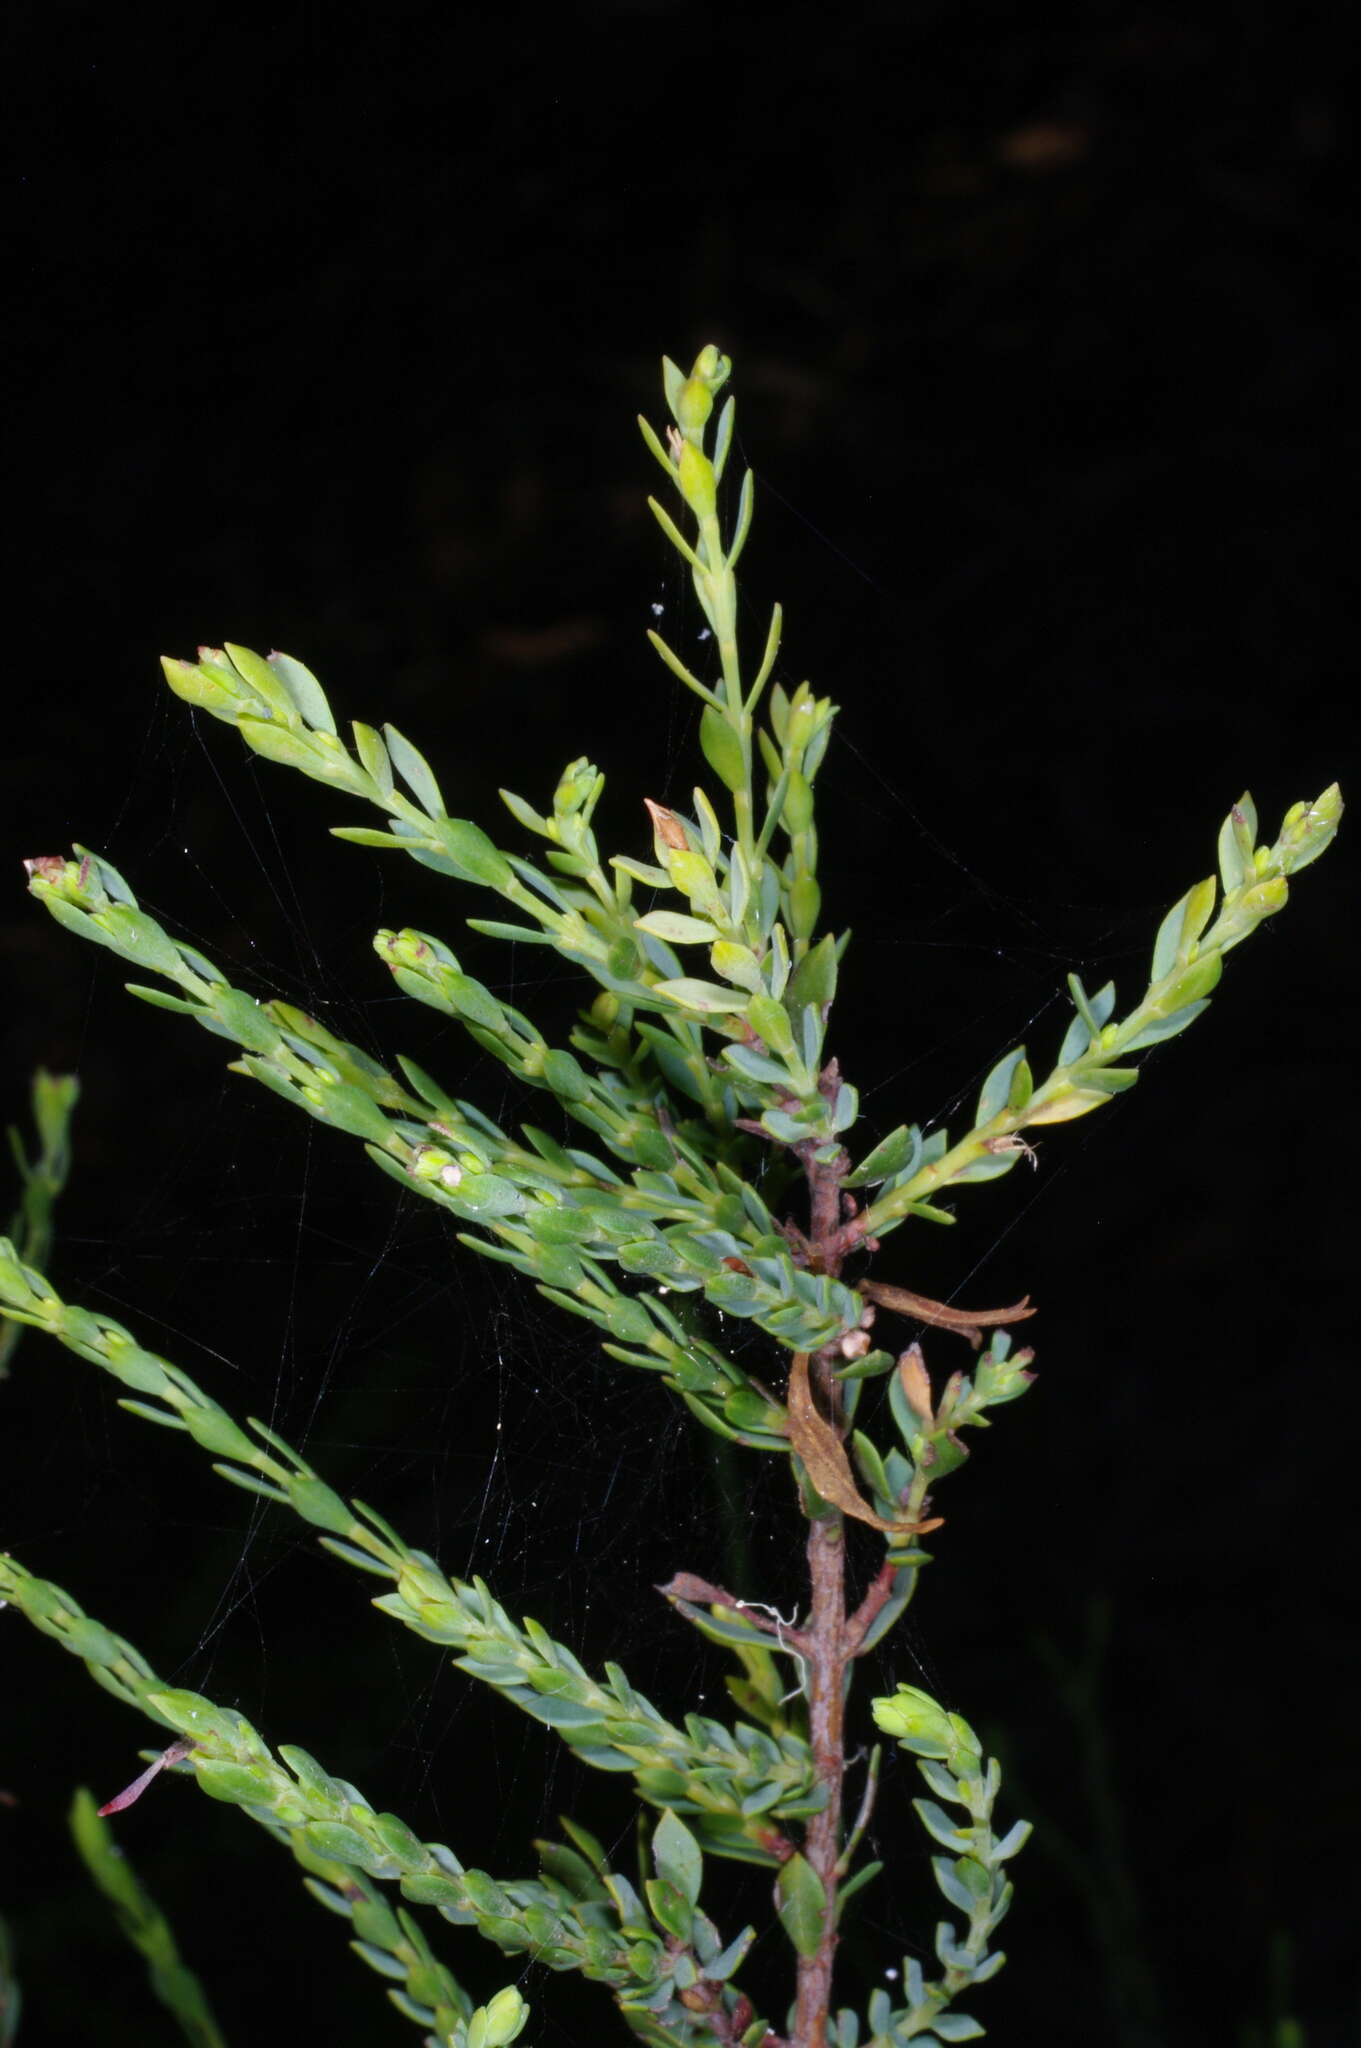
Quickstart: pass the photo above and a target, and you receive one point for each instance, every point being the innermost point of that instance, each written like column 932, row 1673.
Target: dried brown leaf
column 824, row 1455
column 916, row 1384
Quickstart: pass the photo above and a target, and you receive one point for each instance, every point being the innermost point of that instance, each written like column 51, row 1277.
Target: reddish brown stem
column 825, row 1655
column 824, row 1640
column 876, row 1598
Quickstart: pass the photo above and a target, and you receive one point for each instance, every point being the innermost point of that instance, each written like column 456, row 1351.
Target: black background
column 328, row 333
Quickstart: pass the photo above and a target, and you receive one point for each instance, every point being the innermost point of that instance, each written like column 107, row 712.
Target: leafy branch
column 577, row 1915
column 718, row 1180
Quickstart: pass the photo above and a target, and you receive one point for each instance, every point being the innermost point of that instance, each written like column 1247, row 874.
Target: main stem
column 826, row 1656
column 827, row 1648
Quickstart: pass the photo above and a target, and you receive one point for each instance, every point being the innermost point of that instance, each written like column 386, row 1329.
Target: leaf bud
column 424, row 1590
column 915, row 1720
column 499, row 2022
column 694, row 406
column 1266, row 899
column 576, row 788
column 711, row 369
column 74, row 881
column 1191, row 984
column 805, row 905
column 1308, row 830
column 430, row 1163
column 695, row 474
column 797, row 811
column 802, row 721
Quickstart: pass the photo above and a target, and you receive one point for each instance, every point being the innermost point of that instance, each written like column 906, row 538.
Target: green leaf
column 1110, row 1080
column 1237, row 838
column 956, row 2026
column 897, row 1153
column 303, row 687
column 940, row 1826
column 486, row 1194
column 677, row 1856
column 847, row 1891
column 1167, row 1027
column 814, row 979
column 722, row 748
column 1200, row 903
column 266, row 684
column 415, row 772
column 801, row 1902
column 669, row 1909
column 367, row 835
column 162, row 1000
column 673, row 383
column 769, row 1019
column 516, row 934
column 338, row 1843
column 1093, row 1010
column 676, row 929
column 472, row 853
column 374, row 757
column 566, row 1077
column 1169, row 938
column 709, row 998
column 996, row 1091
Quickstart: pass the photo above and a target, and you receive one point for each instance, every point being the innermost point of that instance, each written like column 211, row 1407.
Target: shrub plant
column 700, row 1159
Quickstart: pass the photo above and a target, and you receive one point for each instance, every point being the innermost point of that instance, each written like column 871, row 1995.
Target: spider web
column 485, row 1424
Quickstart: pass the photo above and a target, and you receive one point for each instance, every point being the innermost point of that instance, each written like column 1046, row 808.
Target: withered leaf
column 824, row 1456
column 968, row 1321
column 916, row 1384
column 667, row 826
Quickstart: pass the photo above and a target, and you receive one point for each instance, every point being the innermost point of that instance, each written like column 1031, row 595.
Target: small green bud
column 577, row 787
column 604, row 1011
column 430, row 1163
column 695, row 474
column 694, row 406
column 915, row 1720
column 1309, row 829
column 712, row 367
column 499, row 2022
column 797, row 813
column 1191, row 984
column 73, row 881
column 802, row 721
column 425, row 1590
column 1266, row 899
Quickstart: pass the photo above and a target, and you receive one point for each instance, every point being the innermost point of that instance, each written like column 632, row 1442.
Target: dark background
column 328, row 333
